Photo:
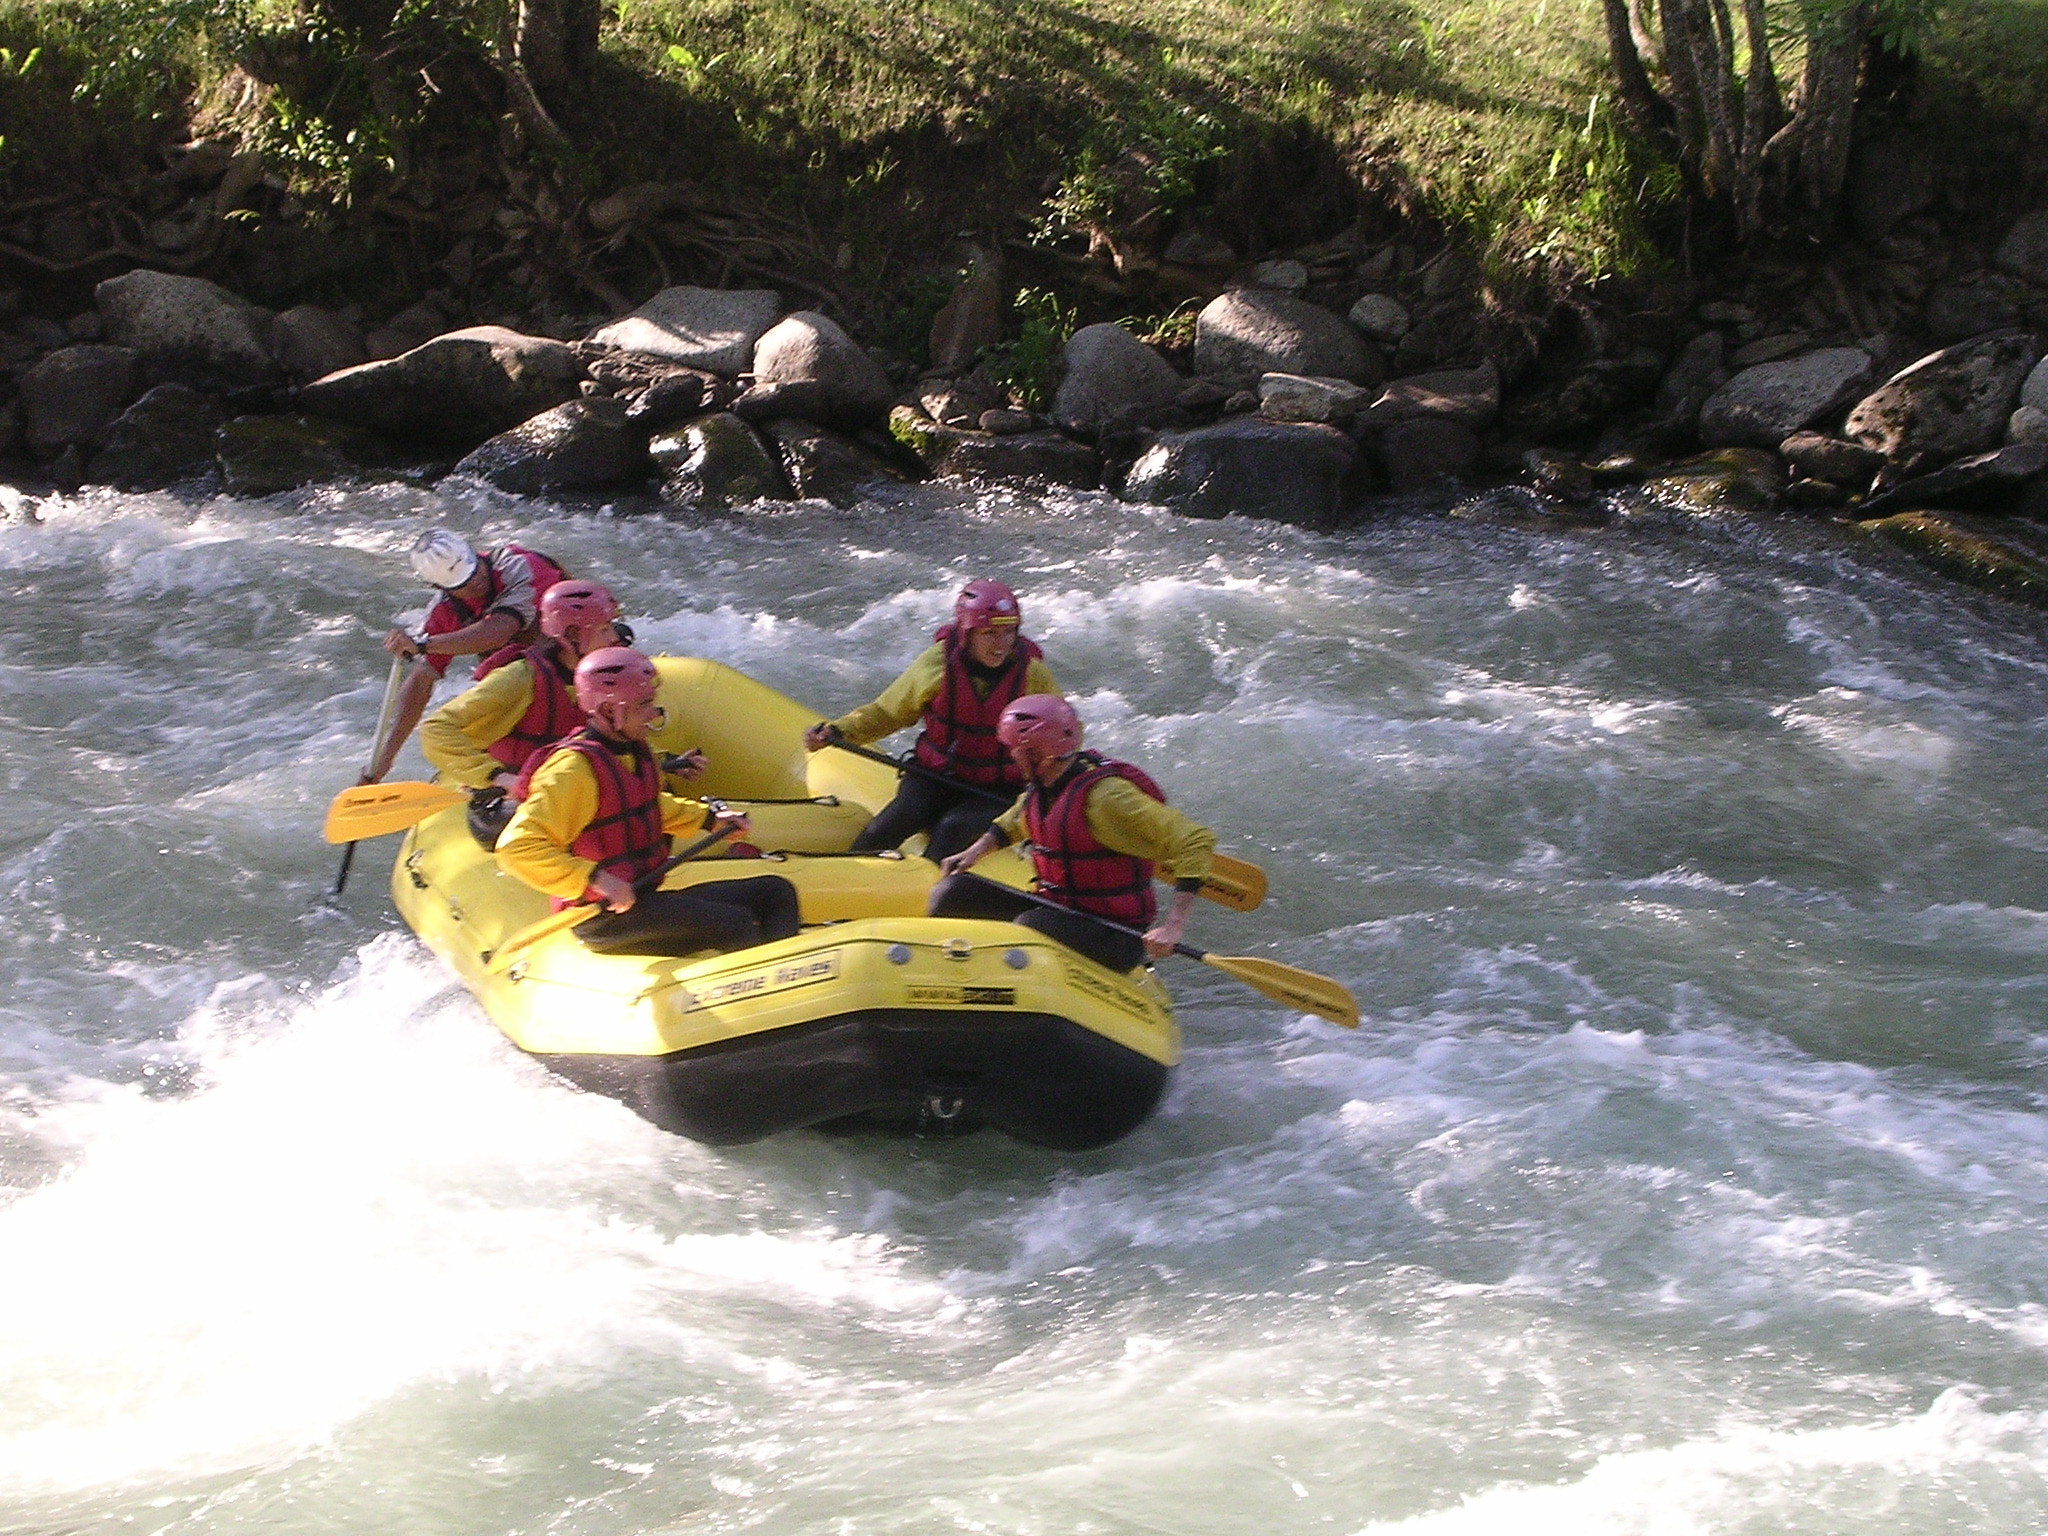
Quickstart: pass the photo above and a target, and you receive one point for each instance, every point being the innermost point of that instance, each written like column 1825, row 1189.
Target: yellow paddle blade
column 1319, row 995
column 371, row 810
column 1233, row 883
column 533, row 933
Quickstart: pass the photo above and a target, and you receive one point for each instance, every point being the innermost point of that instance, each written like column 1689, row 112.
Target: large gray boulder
column 263, row 455
column 717, row 461
column 1948, row 404
column 583, row 445
column 186, row 328
column 70, row 396
column 1762, row 406
column 458, row 389
column 824, row 466
column 310, row 342
column 1252, row 331
column 1468, row 396
column 165, row 437
column 2034, row 391
column 1981, row 480
column 1280, row 470
column 821, row 371
column 1109, row 370
column 2024, row 250
column 1426, row 452
column 715, row 329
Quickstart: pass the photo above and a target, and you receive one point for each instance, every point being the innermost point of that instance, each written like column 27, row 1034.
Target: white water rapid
column 1689, row 1173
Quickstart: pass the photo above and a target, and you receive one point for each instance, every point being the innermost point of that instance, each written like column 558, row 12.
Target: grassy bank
column 852, row 141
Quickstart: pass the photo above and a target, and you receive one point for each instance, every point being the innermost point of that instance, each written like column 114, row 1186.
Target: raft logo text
column 761, row 982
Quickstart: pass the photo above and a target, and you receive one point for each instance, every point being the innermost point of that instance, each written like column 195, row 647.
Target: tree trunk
column 555, row 43
column 1642, row 109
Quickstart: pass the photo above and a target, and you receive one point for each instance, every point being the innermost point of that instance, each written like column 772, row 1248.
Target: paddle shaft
column 348, row 854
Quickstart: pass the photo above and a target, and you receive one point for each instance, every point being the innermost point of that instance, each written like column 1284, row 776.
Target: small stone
column 2029, row 424
column 1006, row 421
column 1199, row 248
column 1283, row 276
column 1766, row 349
column 1385, row 320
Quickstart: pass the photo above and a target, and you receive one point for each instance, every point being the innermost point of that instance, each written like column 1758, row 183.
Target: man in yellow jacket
column 958, row 687
column 1096, row 829
column 594, row 819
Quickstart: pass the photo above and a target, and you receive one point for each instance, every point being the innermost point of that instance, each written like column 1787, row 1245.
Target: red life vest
column 554, row 712
column 625, row 836
column 1072, row 865
column 959, row 735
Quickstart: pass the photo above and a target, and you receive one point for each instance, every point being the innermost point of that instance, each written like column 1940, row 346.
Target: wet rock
column 1281, row 470
column 187, row 329
column 310, row 342
column 263, row 455
column 1739, row 479
column 959, row 402
column 1107, row 370
column 717, row 461
column 1964, row 554
column 1251, row 331
column 1469, row 396
column 414, row 326
column 1383, row 319
column 715, row 329
column 1558, row 474
column 1815, row 495
column 1762, row 406
column 582, row 445
column 1948, row 404
column 1983, row 480
column 1426, row 452
column 825, row 466
column 1297, row 397
column 969, row 321
column 166, row 436
column 822, row 374
column 1970, row 305
column 70, row 396
column 1282, row 276
column 459, row 389
column 1044, row 456
column 1199, row 248
column 2024, row 250
column 1813, row 455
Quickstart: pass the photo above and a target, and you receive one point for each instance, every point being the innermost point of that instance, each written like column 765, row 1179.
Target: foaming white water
column 1897, row 1476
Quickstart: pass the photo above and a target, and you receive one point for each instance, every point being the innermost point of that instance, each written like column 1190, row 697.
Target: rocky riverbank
column 1304, row 388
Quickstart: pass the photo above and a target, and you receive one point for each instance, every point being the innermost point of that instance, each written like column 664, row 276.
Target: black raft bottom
column 1035, row 1076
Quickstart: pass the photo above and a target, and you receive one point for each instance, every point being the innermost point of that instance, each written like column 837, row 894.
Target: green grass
column 883, row 129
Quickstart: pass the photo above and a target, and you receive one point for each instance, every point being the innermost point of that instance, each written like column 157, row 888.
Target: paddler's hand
column 1159, row 941
column 686, row 765
column 968, row 857
column 818, row 737
column 399, row 643
column 723, row 818
column 615, row 894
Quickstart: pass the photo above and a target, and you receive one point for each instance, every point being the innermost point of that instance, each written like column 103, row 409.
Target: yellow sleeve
column 901, row 704
column 679, row 813
column 535, row 846
column 1038, row 677
column 455, row 735
column 1010, row 825
column 1122, row 816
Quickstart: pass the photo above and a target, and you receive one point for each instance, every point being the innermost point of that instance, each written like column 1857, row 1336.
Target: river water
column 1687, row 1174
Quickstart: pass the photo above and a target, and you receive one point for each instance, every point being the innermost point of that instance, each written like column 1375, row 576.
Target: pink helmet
column 1044, row 722
column 985, row 605
column 615, row 675
column 575, row 605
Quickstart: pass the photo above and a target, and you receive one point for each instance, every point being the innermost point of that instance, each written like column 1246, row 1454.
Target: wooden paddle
column 348, row 854
column 371, row 810
column 1319, row 995
column 582, row 911
column 1231, row 883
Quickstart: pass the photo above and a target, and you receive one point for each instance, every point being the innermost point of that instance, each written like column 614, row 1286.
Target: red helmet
column 575, row 605
column 615, row 675
column 1045, row 722
column 985, row 605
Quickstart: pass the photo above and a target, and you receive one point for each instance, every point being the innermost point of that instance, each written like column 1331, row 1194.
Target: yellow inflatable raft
column 874, row 1013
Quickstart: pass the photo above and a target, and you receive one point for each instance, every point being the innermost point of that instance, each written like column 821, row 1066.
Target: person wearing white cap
column 487, row 601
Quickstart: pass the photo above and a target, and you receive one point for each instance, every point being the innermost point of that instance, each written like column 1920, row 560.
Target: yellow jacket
column 455, row 736
column 563, row 801
column 1125, row 818
column 903, row 702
